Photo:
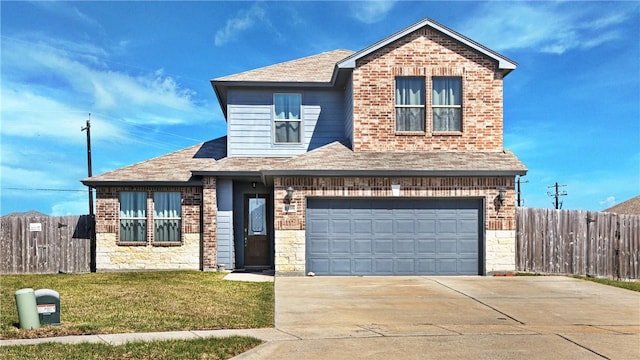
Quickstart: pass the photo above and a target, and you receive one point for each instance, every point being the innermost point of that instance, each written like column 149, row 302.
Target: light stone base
column 290, row 252
column 500, row 251
column 110, row 256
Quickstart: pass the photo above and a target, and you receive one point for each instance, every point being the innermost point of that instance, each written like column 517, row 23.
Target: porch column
column 209, row 224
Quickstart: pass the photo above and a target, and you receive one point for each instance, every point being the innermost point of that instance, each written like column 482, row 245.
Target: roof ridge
column 280, row 64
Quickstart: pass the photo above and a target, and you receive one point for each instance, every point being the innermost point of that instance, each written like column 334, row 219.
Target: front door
column 256, row 231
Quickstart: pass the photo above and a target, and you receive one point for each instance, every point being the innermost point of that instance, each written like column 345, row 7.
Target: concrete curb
column 266, row 334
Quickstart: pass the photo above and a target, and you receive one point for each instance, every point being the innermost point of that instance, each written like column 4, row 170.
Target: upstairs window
column 287, row 118
column 167, row 216
column 447, row 104
column 133, row 216
column 410, row 108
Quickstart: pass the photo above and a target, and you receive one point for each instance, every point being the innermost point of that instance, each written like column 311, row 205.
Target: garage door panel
column 318, row 246
column 404, row 226
column 426, row 266
column 340, row 246
column 383, row 226
column 383, row 246
column 426, row 246
column 319, row 265
column 340, row 227
column 341, row 266
column 362, row 226
column 393, row 236
column 466, row 247
column 447, row 227
column 383, row 266
column 362, row 246
column 467, row 265
column 363, row 265
column 447, row 266
column 405, row 266
column 425, row 226
column 404, row 246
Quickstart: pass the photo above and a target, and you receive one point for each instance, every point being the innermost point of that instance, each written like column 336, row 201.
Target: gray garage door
column 348, row 236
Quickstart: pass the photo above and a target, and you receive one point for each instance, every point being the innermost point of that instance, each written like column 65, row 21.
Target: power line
column 32, row 189
column 557, row 194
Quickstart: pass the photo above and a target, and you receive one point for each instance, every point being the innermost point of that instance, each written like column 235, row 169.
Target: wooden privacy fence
column 45, row 244
column 578, row 242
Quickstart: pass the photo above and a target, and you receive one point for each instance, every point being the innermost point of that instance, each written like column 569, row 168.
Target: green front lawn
column 210, row 349
column 101, row 303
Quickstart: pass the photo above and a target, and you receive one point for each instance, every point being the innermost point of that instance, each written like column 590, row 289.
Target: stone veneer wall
column 111, row 254
column 499, row 219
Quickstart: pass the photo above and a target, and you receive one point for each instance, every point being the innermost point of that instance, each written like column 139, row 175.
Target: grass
column 211, row 348
column 629, row 285
column 102, row 303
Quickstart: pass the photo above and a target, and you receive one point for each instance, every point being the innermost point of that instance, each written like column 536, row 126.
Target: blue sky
column 142, row 69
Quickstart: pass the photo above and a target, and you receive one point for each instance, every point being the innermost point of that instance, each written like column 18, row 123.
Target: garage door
column 347, row 236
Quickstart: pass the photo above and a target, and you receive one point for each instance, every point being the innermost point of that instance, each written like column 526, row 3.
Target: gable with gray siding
column 250, row 122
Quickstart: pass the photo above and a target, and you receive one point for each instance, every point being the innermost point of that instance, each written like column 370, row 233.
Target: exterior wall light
column 289, row 196
column 502, row 195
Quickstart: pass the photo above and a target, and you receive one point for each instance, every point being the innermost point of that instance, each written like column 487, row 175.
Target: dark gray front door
column 256, row 231
column 390, row 236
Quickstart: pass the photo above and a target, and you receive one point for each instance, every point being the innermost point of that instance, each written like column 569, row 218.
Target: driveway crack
column 584, row 347
column 480, row 302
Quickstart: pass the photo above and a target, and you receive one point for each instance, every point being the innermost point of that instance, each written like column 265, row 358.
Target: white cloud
column 547, row 27
column 608, row 202
column 242, row 22
column 370, row 12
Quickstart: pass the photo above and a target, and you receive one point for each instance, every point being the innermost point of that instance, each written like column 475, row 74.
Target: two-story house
column 385, row 161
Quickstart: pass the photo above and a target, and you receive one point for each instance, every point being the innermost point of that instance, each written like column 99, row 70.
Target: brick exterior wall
column 209, row 224
column 496, row 217
column 113, row 254
column 427, row 53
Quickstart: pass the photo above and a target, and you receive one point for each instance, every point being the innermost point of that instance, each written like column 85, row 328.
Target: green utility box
column 48, row 306
column 27, row 310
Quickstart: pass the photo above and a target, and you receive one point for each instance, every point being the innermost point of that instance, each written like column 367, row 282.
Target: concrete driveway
column 452, row 318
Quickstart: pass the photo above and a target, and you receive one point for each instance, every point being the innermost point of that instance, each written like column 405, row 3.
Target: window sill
column 131, row 243
column 167, row 243
column 410, row 133
column 447, row 133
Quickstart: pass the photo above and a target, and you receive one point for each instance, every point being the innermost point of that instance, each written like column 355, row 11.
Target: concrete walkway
column 433, row 317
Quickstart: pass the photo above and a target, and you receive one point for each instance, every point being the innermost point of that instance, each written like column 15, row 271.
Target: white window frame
column 138, row 218
column 433, row 106
column 275, row 120
column 422, row 106
column 161, row 218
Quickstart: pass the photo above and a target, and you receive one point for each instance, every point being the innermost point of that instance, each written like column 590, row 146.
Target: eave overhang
column 93, row 184
column 504, row 64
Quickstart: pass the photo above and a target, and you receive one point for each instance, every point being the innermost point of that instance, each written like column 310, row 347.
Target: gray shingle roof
column 174, row 167
column 629, row 207
column 333, row 159
column 338, row 158
column 316, row 68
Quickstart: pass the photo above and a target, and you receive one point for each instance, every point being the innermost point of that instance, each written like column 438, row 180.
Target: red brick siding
column 209, row 224
column 496, row 217
column 426, row 53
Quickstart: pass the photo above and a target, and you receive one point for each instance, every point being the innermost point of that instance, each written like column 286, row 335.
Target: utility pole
column 88, row 129
column 518, row 182
column 92, row 218
column 557, row 194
